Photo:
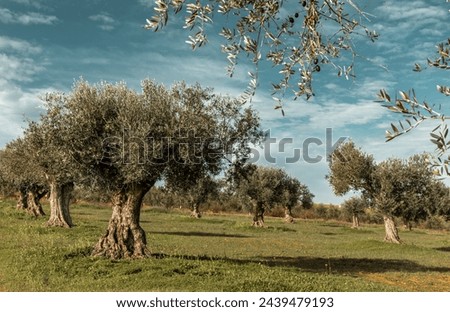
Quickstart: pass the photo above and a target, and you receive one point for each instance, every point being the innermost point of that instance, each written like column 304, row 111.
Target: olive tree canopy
column 297, row 38
column 123, row 142
column 22, row 174
column 395, row 187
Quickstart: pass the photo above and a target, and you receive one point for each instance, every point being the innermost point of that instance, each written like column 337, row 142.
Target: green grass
column 218, row 253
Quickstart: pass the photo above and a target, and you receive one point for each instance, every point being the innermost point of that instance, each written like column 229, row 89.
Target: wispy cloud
column 17, row 68
column 17, row 106
column 33, row 3
column 415, row 11
column 30, row 18
column 106, row 22
column 21, row 46
column 146, row 3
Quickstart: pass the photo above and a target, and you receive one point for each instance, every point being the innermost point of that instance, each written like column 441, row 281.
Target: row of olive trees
column 261, row 188
column 253, row 188
column 407, row 189
column 113, row 139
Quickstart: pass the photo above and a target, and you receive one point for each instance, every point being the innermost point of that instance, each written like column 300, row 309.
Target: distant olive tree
column 21, row 174
column 355, row 206
column 296, row 38
column 195, row 192
column 261, row 188
column 47, row 140
column 395, row 187
column 294, row 193
column 124, row 142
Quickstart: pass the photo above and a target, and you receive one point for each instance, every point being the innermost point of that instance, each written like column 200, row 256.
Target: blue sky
column 46, row 45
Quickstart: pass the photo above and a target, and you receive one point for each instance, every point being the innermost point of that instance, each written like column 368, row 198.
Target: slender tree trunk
column 22, row 200
column 196, row 211
column 355, row 224
column 258, row 218
column 60, row 194
column 407, row 224
column 288, row 218
column 34, row 202
column 391, row 230
column 124, row 237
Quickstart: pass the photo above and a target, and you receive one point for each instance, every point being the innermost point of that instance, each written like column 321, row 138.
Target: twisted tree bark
column 391, row 230
column 34, row 202
column 355, row 224
column 196, row 211
column 258, row 218
column 124, row 237
column 288, row 218
column 22, row 200
column 60, row 194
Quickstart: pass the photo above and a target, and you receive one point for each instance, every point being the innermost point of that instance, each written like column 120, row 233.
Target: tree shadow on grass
column 324, row 265
column 201, row 234
column 351, row 265
column 446, row 249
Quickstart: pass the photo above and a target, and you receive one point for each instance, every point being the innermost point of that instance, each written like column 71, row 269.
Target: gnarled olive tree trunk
column 355, row 223
column 60, row 195
column 124, row 237
column 196, row 211
column 391, row 230
column 34, row 202
column 22, row 200
column 258, row 218
column 288, row 218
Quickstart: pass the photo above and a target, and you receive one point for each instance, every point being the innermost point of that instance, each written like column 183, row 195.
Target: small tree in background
column 21, row 174
column 195, row 193
column 294, row 193
column 355, row 207
column 395, row 187
column 261, row 188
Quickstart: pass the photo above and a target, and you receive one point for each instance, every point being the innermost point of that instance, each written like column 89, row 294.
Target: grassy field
column 218, row 253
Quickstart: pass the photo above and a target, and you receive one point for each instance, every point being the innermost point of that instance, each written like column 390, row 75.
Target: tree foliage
column 22, row 175
column 415, row 111
column 296, row 38
column 395, row 187
column 351, row 170
column 124, row 142
column 264, row 187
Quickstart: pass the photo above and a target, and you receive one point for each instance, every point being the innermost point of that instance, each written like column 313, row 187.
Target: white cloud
column 17, row 45
column 33, row 3
column 18, row 69
column 29, row 18
column 146, row 3
column 416, row 11
column 17, row 105
column 105, row 20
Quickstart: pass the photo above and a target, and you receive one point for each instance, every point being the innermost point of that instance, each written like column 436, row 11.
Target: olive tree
column 22, row 175
column 264, row 187
column 196, row 192
column 49, row 150
column 123, row 142
column 355, row 205
column 294, row 193
column 395, row 187
column 296, row 38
